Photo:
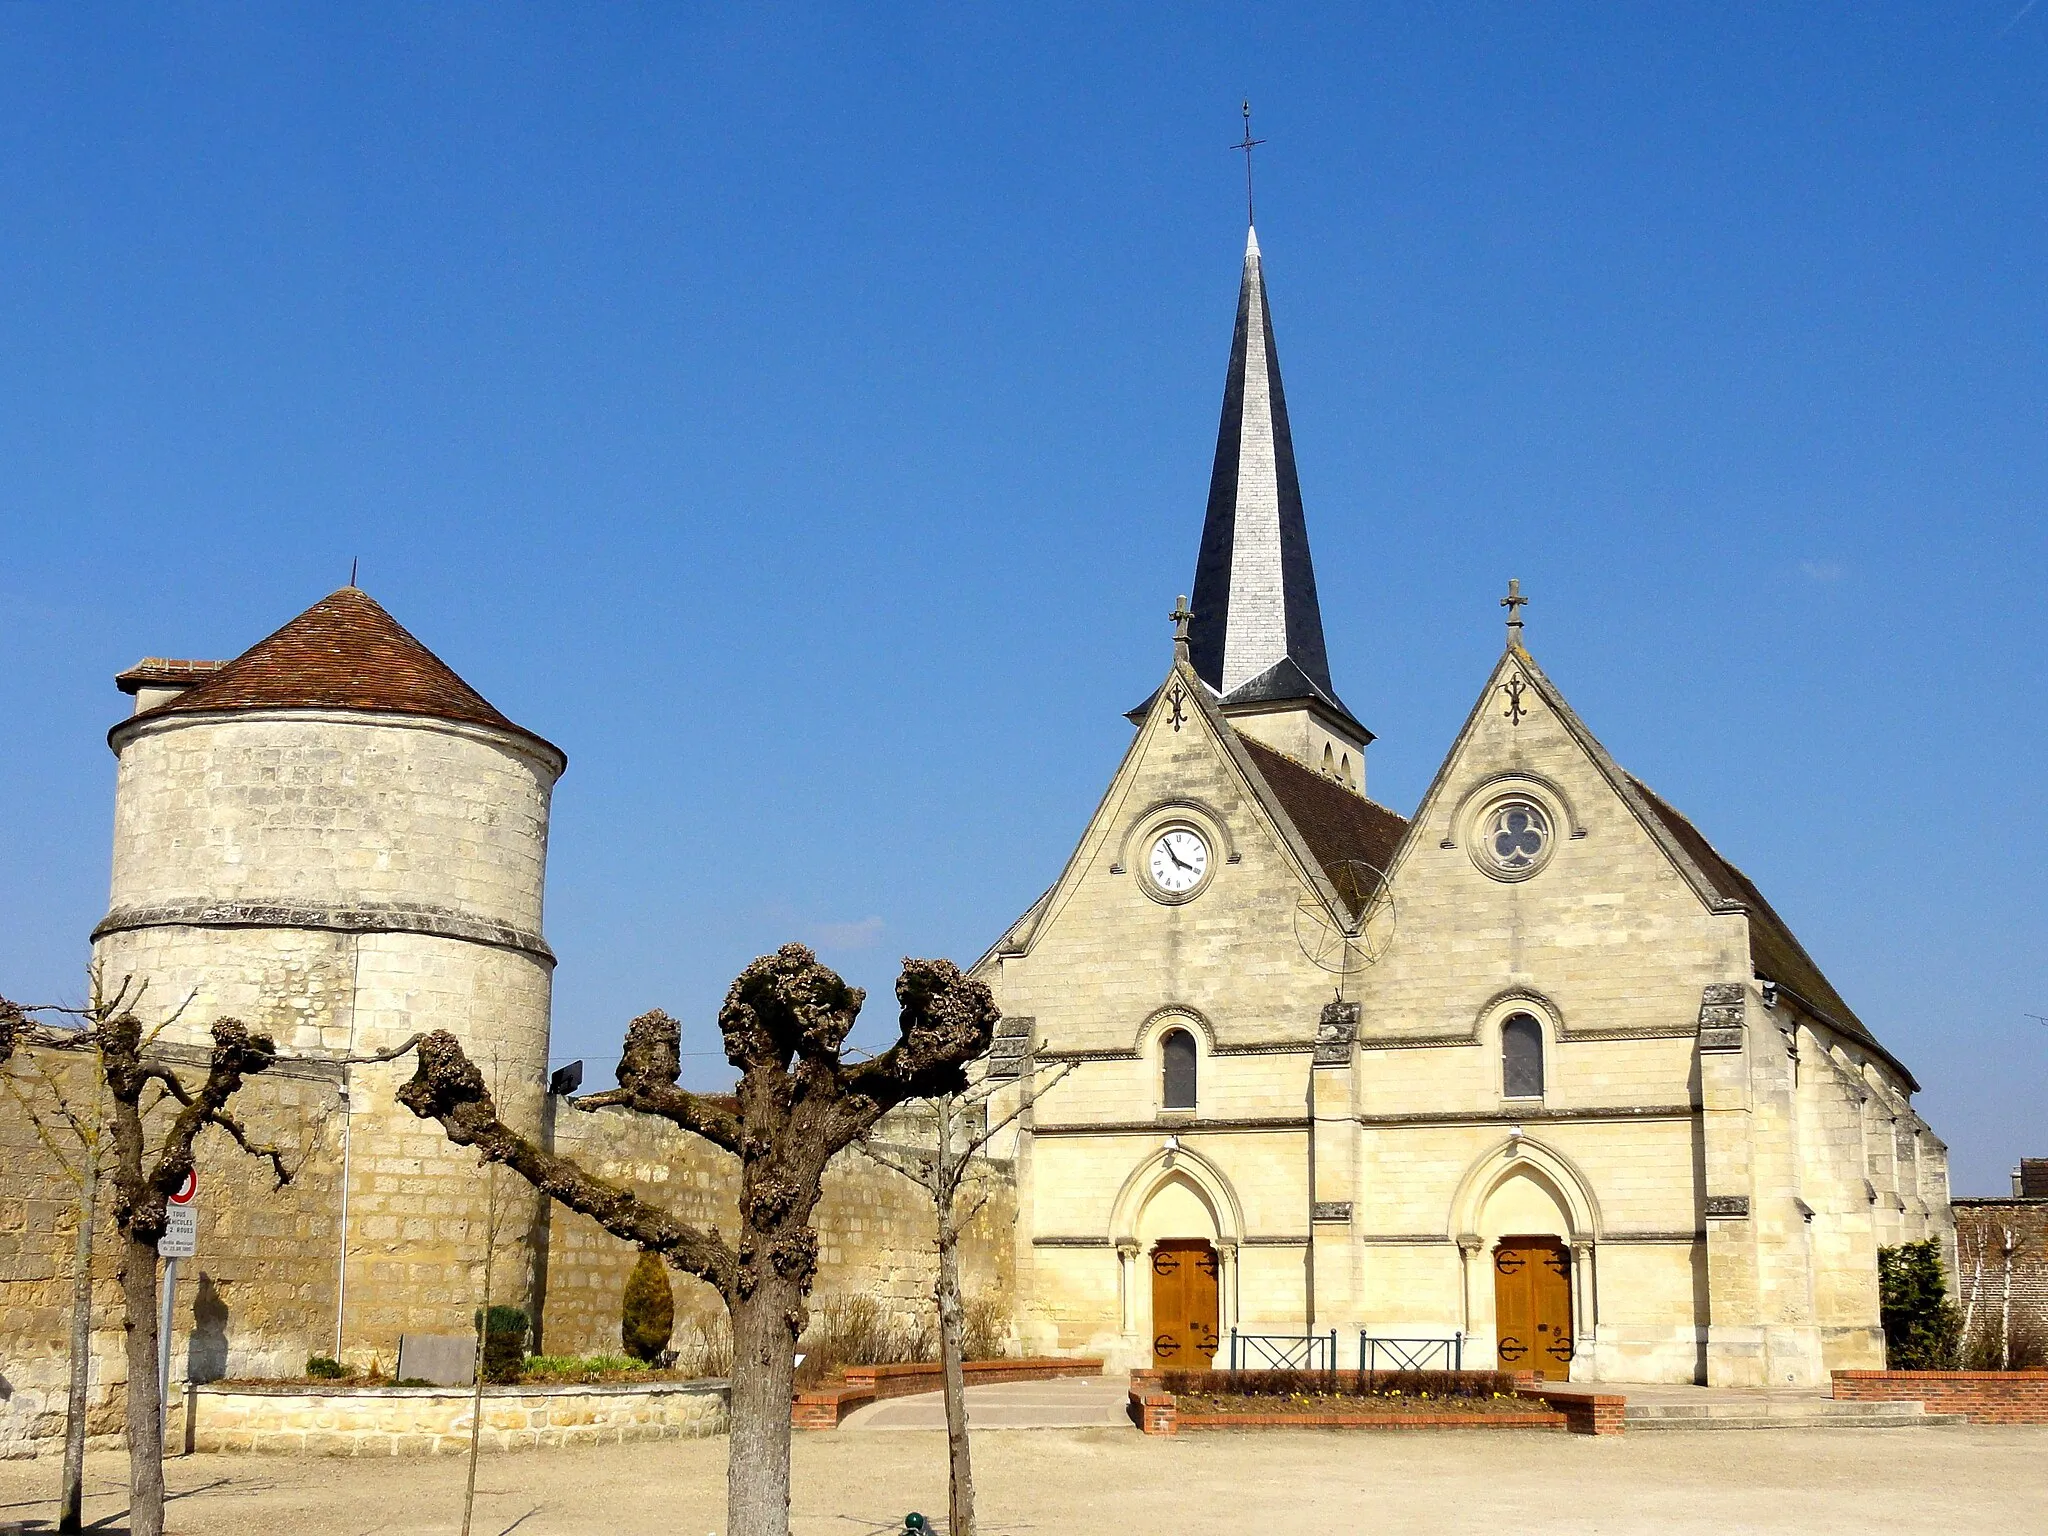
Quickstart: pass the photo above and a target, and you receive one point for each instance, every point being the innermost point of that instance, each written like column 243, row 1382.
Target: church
column 1532, row 1078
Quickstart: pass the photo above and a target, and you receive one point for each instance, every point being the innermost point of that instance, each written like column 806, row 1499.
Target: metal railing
column 1411, row 1354
column 1283, row 1351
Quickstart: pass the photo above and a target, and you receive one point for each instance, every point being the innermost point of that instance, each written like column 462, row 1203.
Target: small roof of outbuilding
column 344, row 652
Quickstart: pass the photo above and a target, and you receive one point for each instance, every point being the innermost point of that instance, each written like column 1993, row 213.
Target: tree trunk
column 763, row 1386
column 145, row 1408
column 71, row 1505
column 952, row 1330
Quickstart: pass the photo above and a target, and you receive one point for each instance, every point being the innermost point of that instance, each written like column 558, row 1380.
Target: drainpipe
column 1309, row 1288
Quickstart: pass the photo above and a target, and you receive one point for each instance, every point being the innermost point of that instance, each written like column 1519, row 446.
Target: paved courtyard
column 1963, row 1480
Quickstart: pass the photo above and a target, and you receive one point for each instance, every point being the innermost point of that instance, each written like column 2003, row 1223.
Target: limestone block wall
column 331, row 807
column 256, row 1301
column 432, row 1421
column 875, row 1229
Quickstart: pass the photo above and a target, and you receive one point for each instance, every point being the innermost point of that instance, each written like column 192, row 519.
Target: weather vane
column 1248, row 146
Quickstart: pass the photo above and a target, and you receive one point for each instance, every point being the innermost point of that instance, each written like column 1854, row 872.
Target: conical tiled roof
column 1257, row 632
column 344, row 652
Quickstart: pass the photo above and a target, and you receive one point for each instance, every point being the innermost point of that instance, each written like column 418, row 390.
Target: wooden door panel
column 1532, row 1290
column 1185, row 1314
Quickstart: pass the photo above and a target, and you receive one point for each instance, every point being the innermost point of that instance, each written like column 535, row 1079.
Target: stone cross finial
column 1180, row 616
column 1514, row 603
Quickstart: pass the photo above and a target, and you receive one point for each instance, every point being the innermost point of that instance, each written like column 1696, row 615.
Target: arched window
column 1344, row 768
column 1521, row 1058
column 1328, row 758
column 1177, row 1069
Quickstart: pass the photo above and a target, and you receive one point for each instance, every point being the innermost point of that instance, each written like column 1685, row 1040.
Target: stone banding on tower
column 338, row 840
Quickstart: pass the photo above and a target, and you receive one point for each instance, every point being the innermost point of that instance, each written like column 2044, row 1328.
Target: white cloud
column 861, row 934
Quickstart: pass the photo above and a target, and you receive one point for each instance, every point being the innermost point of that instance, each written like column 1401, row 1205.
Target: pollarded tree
column 798, row 1104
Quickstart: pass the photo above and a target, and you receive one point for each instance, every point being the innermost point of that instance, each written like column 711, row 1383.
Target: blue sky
column 803, row 414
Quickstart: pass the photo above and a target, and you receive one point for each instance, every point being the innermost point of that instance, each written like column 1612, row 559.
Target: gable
column 1519, row 698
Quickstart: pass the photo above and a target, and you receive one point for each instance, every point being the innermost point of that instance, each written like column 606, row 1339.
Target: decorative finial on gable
column 1514, row 603
column 1180, row 616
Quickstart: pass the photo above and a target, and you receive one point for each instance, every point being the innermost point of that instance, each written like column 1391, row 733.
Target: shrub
column 987, row 1328
column 1922, row 1327
column 706, row 1349
column 325, row 1368
column 650, row 1310
column 504, row 1343
column 854, row 1330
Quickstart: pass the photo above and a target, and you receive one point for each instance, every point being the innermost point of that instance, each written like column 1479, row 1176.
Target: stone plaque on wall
column 1727, row 1205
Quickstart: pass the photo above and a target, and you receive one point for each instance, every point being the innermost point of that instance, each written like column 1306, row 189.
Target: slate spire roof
column 1257, row 633
column 344, row 652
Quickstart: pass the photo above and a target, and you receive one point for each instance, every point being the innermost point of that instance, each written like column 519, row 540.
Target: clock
column 1179, row 860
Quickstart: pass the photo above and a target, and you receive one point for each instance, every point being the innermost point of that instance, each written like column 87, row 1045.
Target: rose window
column 1516, row 835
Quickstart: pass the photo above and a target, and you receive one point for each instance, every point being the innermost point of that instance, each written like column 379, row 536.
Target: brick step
column 1761, row 1408
column 1651, row 1418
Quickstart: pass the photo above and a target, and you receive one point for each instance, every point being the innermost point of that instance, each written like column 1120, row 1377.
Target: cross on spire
column 1514, row 602
column 1248, row 146
column 1180, row 616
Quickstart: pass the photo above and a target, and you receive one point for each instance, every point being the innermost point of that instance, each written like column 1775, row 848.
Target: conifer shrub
column 1922, row 1327
column 649, row 1316
column 504, row 1343
column 325, row 1368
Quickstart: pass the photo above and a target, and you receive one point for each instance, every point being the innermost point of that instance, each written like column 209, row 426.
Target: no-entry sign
column 181, row 1222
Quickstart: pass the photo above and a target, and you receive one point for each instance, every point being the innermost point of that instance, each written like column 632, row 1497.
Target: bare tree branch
column 447, row 1087
column 649, row 1066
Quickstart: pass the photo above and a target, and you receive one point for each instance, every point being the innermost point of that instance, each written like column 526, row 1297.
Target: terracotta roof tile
column 1774, row 952
column 344, row 652
column 1338, row 825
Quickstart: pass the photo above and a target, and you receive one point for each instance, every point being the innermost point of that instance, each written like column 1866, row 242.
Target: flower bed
column 1163, row 1403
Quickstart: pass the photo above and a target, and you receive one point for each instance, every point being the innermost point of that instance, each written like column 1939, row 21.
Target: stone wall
column 262, row 1294
column 256, row 1301
column 432, row 1421
column 875, row 1230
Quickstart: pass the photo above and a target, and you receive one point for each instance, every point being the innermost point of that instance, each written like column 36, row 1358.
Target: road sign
column 181, row 1232
column 188, row 1189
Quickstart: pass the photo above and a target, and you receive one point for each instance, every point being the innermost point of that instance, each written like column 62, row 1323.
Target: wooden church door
column 1184, row 1306
column 1532, row 1306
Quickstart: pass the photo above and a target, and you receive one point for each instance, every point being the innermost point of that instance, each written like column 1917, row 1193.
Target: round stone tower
column 336, row 839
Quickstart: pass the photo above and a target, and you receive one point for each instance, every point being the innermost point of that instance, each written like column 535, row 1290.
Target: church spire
column 1257, row 634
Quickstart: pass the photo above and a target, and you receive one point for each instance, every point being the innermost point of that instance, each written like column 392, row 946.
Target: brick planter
column 826, row 1407
column 1154, row 1411
column 1986, row 1397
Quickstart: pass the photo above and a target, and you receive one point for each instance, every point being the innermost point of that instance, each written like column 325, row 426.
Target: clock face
column 1179, row 860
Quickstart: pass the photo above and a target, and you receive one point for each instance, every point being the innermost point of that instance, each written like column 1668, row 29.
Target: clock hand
column 1175, row 857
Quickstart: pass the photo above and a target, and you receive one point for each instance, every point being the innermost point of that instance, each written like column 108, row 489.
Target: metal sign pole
column 163, row 1348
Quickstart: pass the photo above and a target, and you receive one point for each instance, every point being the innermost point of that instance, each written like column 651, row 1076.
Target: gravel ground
column 1965, row 1480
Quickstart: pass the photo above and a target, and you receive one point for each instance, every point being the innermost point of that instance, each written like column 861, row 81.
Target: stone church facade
column 1536, row 1070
